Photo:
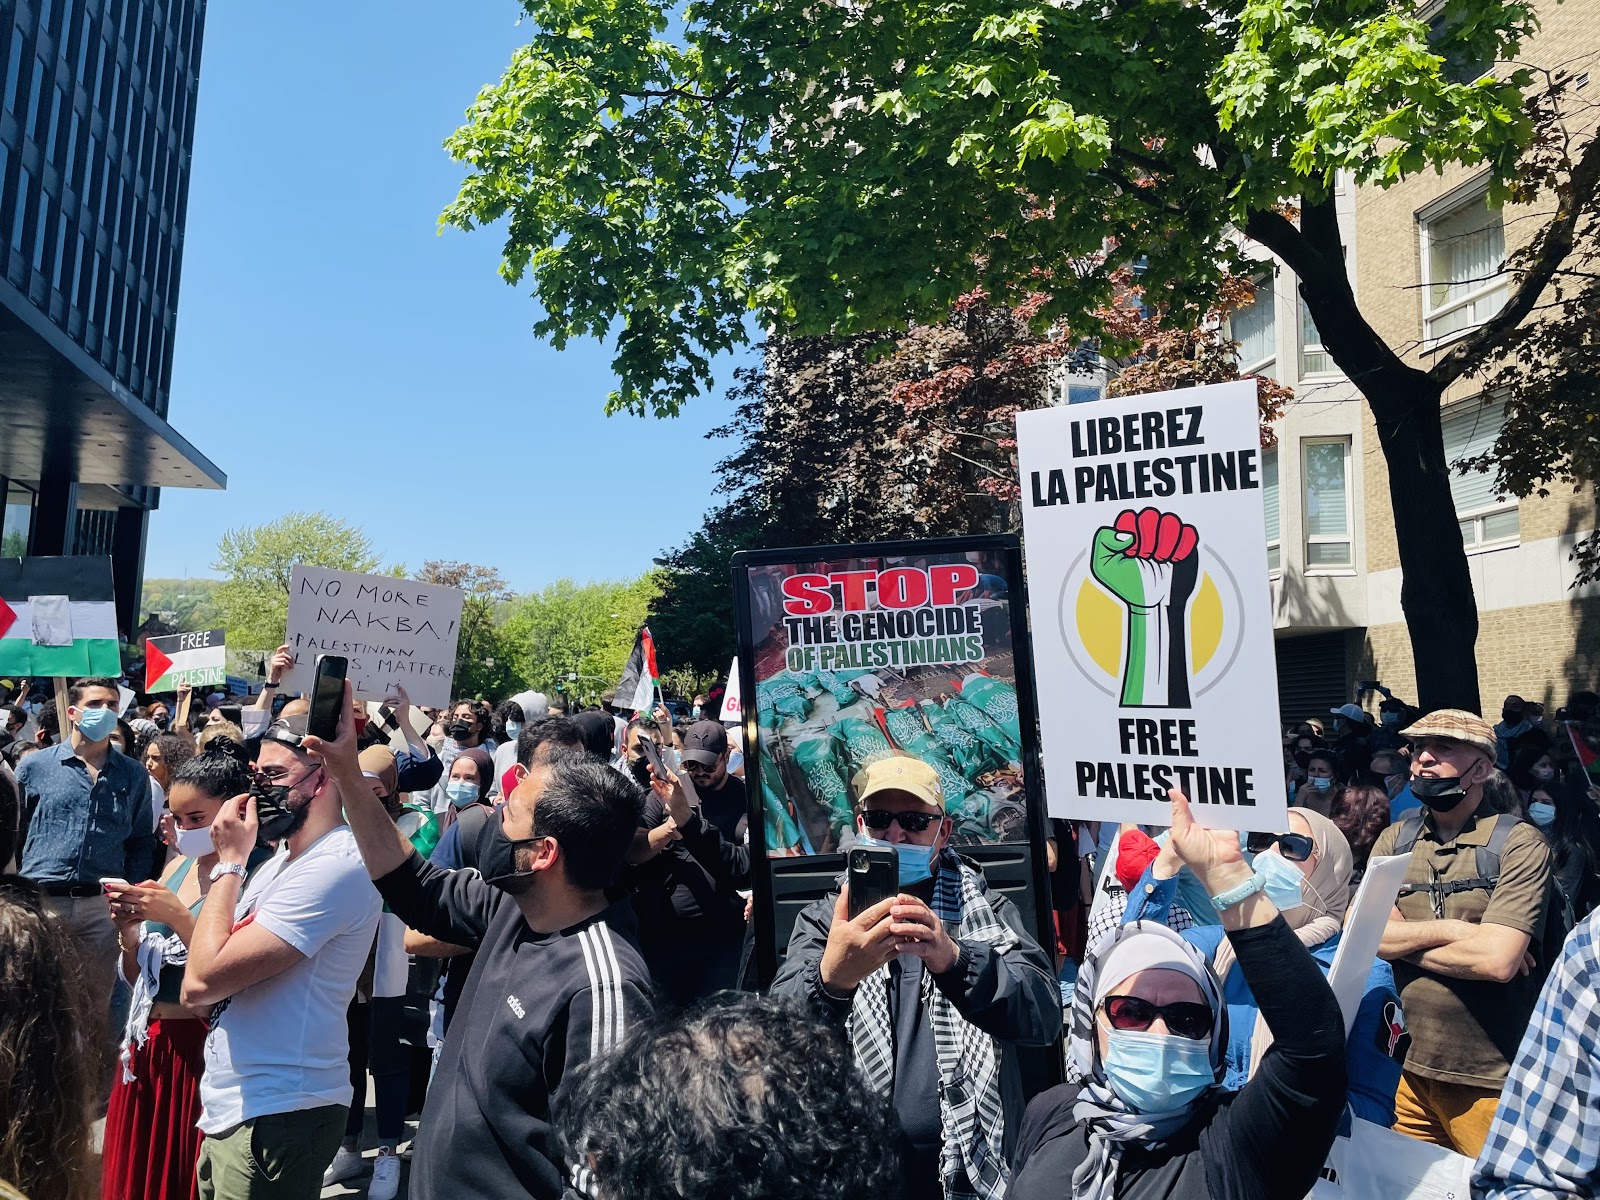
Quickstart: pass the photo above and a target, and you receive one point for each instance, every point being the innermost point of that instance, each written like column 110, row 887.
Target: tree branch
column 1547, row 254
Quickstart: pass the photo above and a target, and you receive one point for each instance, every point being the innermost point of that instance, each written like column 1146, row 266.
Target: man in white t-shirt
column 279, row 959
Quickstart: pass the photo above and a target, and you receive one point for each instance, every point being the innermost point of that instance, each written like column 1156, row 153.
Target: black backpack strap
column 1410, row 831
column 471, row 823
column 1486, row 859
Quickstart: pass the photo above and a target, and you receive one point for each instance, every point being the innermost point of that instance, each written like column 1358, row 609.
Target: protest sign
column 732, row 708
column 1363, row 930
column 198, row 659
column 392, row 631
column 1373, row 1162
column 851, row 654
column 1146, row 555
column 58, row 616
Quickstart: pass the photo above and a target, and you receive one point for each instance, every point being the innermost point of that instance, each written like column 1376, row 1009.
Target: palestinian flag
column 1588, row 759
column 198, row 659
column 58, row 616
column 637, row 687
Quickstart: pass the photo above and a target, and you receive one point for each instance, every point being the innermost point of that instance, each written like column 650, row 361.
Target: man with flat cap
column 936, row 988
column 1464, row 935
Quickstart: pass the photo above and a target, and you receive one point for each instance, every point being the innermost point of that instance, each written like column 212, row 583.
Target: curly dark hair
column 47, row 1040
column 1361, row 812
column 740, row 1098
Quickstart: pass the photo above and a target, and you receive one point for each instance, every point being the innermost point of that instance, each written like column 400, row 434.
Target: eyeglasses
column 1296, row 847
column 1186, row 1018
column 911, row 822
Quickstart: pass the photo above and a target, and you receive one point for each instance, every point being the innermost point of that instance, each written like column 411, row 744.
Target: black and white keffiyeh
column 972, row 1163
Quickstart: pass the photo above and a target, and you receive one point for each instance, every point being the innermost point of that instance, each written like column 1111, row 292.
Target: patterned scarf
column 972, row 1162
column 1111, row 1122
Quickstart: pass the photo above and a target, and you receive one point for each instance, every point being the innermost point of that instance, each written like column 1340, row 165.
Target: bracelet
column 1238, row 894
column 268, row 684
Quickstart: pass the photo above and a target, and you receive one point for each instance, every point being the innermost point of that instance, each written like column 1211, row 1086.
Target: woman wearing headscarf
column 1307, row 876
column 1146, row 1115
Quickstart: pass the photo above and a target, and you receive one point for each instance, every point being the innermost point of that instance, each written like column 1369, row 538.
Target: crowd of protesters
column 530, row 930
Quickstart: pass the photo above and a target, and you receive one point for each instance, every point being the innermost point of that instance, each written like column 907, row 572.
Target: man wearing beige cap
column 1462, row 937
column 936, row 988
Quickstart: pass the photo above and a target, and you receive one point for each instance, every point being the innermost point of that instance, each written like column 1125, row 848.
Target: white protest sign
column 1363, row 930
column 732, row 709
column 392, row 631
column 1145, row 536
column 1377, row 1162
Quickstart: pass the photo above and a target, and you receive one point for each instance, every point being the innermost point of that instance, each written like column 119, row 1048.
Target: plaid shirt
column 1545, row 1140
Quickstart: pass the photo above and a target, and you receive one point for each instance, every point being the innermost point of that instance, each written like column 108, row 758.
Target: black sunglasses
column 1186, row 1018
column 911, row 822
column 1296, row 847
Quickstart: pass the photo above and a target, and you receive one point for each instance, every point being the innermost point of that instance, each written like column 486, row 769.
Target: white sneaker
column 385, row 1176
column 346, row 1165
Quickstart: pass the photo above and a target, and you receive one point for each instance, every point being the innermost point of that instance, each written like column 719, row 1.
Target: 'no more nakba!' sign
column 1147, row 571
column 392, row 631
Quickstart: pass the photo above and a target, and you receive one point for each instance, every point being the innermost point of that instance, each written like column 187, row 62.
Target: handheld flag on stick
column 1588, row 759
column 637, row 687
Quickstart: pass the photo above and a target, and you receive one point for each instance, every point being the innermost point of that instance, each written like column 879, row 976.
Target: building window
column 18, row 520
column 1269, row 491
column 1314, row 360
column 1487, row 520
column 1325, row 468
column 1463, row 265
column 1255, row 328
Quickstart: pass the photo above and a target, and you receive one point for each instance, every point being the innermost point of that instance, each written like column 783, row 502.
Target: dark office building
column 96, row 124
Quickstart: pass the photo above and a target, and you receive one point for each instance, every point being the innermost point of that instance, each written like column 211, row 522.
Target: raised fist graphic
column 1148, row 560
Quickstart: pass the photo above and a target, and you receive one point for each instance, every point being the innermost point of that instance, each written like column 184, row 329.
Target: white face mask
column 193, row 843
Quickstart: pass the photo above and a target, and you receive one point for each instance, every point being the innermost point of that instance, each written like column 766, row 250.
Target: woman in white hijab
column 1145, row 1115
column 1307, row 875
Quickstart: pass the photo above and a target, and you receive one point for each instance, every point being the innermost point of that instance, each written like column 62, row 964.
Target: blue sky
column 336, row 352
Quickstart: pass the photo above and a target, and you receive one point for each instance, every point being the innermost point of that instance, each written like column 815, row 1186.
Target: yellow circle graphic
column 1099, row 620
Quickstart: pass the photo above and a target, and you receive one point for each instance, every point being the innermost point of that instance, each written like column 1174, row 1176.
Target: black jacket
column 534, row 1006
column 1267, row 1141
column 1013, row 997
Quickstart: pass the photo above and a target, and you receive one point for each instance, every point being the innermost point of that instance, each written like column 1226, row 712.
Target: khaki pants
column 276, row 1157
column 1454, row 1115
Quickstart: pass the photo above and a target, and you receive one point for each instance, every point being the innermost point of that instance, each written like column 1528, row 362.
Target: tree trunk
column 1436, row 584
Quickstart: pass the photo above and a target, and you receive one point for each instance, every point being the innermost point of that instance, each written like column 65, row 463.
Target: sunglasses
column 1186, row 1018
column 911, row 822
column 1296, row 847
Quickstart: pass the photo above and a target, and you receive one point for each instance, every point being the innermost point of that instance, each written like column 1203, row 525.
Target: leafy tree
column 840, row 168
column 182, row 605
column 569, row 628
column 483, row 664
column 256, row 561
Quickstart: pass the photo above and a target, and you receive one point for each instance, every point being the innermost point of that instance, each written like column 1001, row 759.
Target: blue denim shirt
column 73, row 833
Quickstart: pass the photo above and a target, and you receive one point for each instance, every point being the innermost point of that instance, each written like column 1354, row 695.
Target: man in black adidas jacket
column 556, row 979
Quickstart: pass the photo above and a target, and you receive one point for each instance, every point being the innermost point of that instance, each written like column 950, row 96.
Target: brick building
column 1425, row 258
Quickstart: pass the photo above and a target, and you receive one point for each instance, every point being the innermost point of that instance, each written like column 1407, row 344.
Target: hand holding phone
column 872, row 875
column 327, row 696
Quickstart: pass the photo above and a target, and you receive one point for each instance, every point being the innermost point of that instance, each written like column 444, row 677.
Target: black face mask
column 459, row 731
column 497, row 859
column 277, row 814
column 1511, row 717
column 1441, row 795
column 640, row 770
column 1302, row 758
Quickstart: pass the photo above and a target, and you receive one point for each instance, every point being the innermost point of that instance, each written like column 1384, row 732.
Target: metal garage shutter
column 1311, row 678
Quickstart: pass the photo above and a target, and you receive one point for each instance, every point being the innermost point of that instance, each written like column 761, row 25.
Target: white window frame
column 1275, row 572
column 1348, row 538
column 1443, row 209
column 1262, row 367
column 1301, row 311
column 1477, row 515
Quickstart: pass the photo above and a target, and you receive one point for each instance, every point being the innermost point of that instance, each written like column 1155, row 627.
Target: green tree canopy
column 255, row 562
column 570, row 628
column 483, row 666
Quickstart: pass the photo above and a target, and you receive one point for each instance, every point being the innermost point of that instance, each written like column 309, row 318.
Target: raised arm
column 282, row 659
column 383, row 847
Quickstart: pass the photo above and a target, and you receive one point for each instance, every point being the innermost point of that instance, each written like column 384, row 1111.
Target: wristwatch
column 221, row 869
column 1236, row 895
column 270, row 684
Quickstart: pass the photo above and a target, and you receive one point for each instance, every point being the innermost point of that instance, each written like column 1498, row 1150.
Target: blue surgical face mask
column 1389, row 718
column 97, row 724
column 1281, row 881
column 1541, row 814
column 462, row 792
column 916, row 862
column 513, row 728
column 1320, row 783
column 1157, row 1072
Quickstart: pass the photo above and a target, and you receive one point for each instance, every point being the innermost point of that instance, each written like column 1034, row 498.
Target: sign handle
column 65, row 727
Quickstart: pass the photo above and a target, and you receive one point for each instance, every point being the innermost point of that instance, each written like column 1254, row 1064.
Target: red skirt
column 152, row 1142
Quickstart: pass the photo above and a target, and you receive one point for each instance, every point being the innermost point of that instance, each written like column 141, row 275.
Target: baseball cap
column 704, row 743
column 288, row 730
column 1526, row 707
column 1350, row 712
column 899, row 773
column 1455, row 725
